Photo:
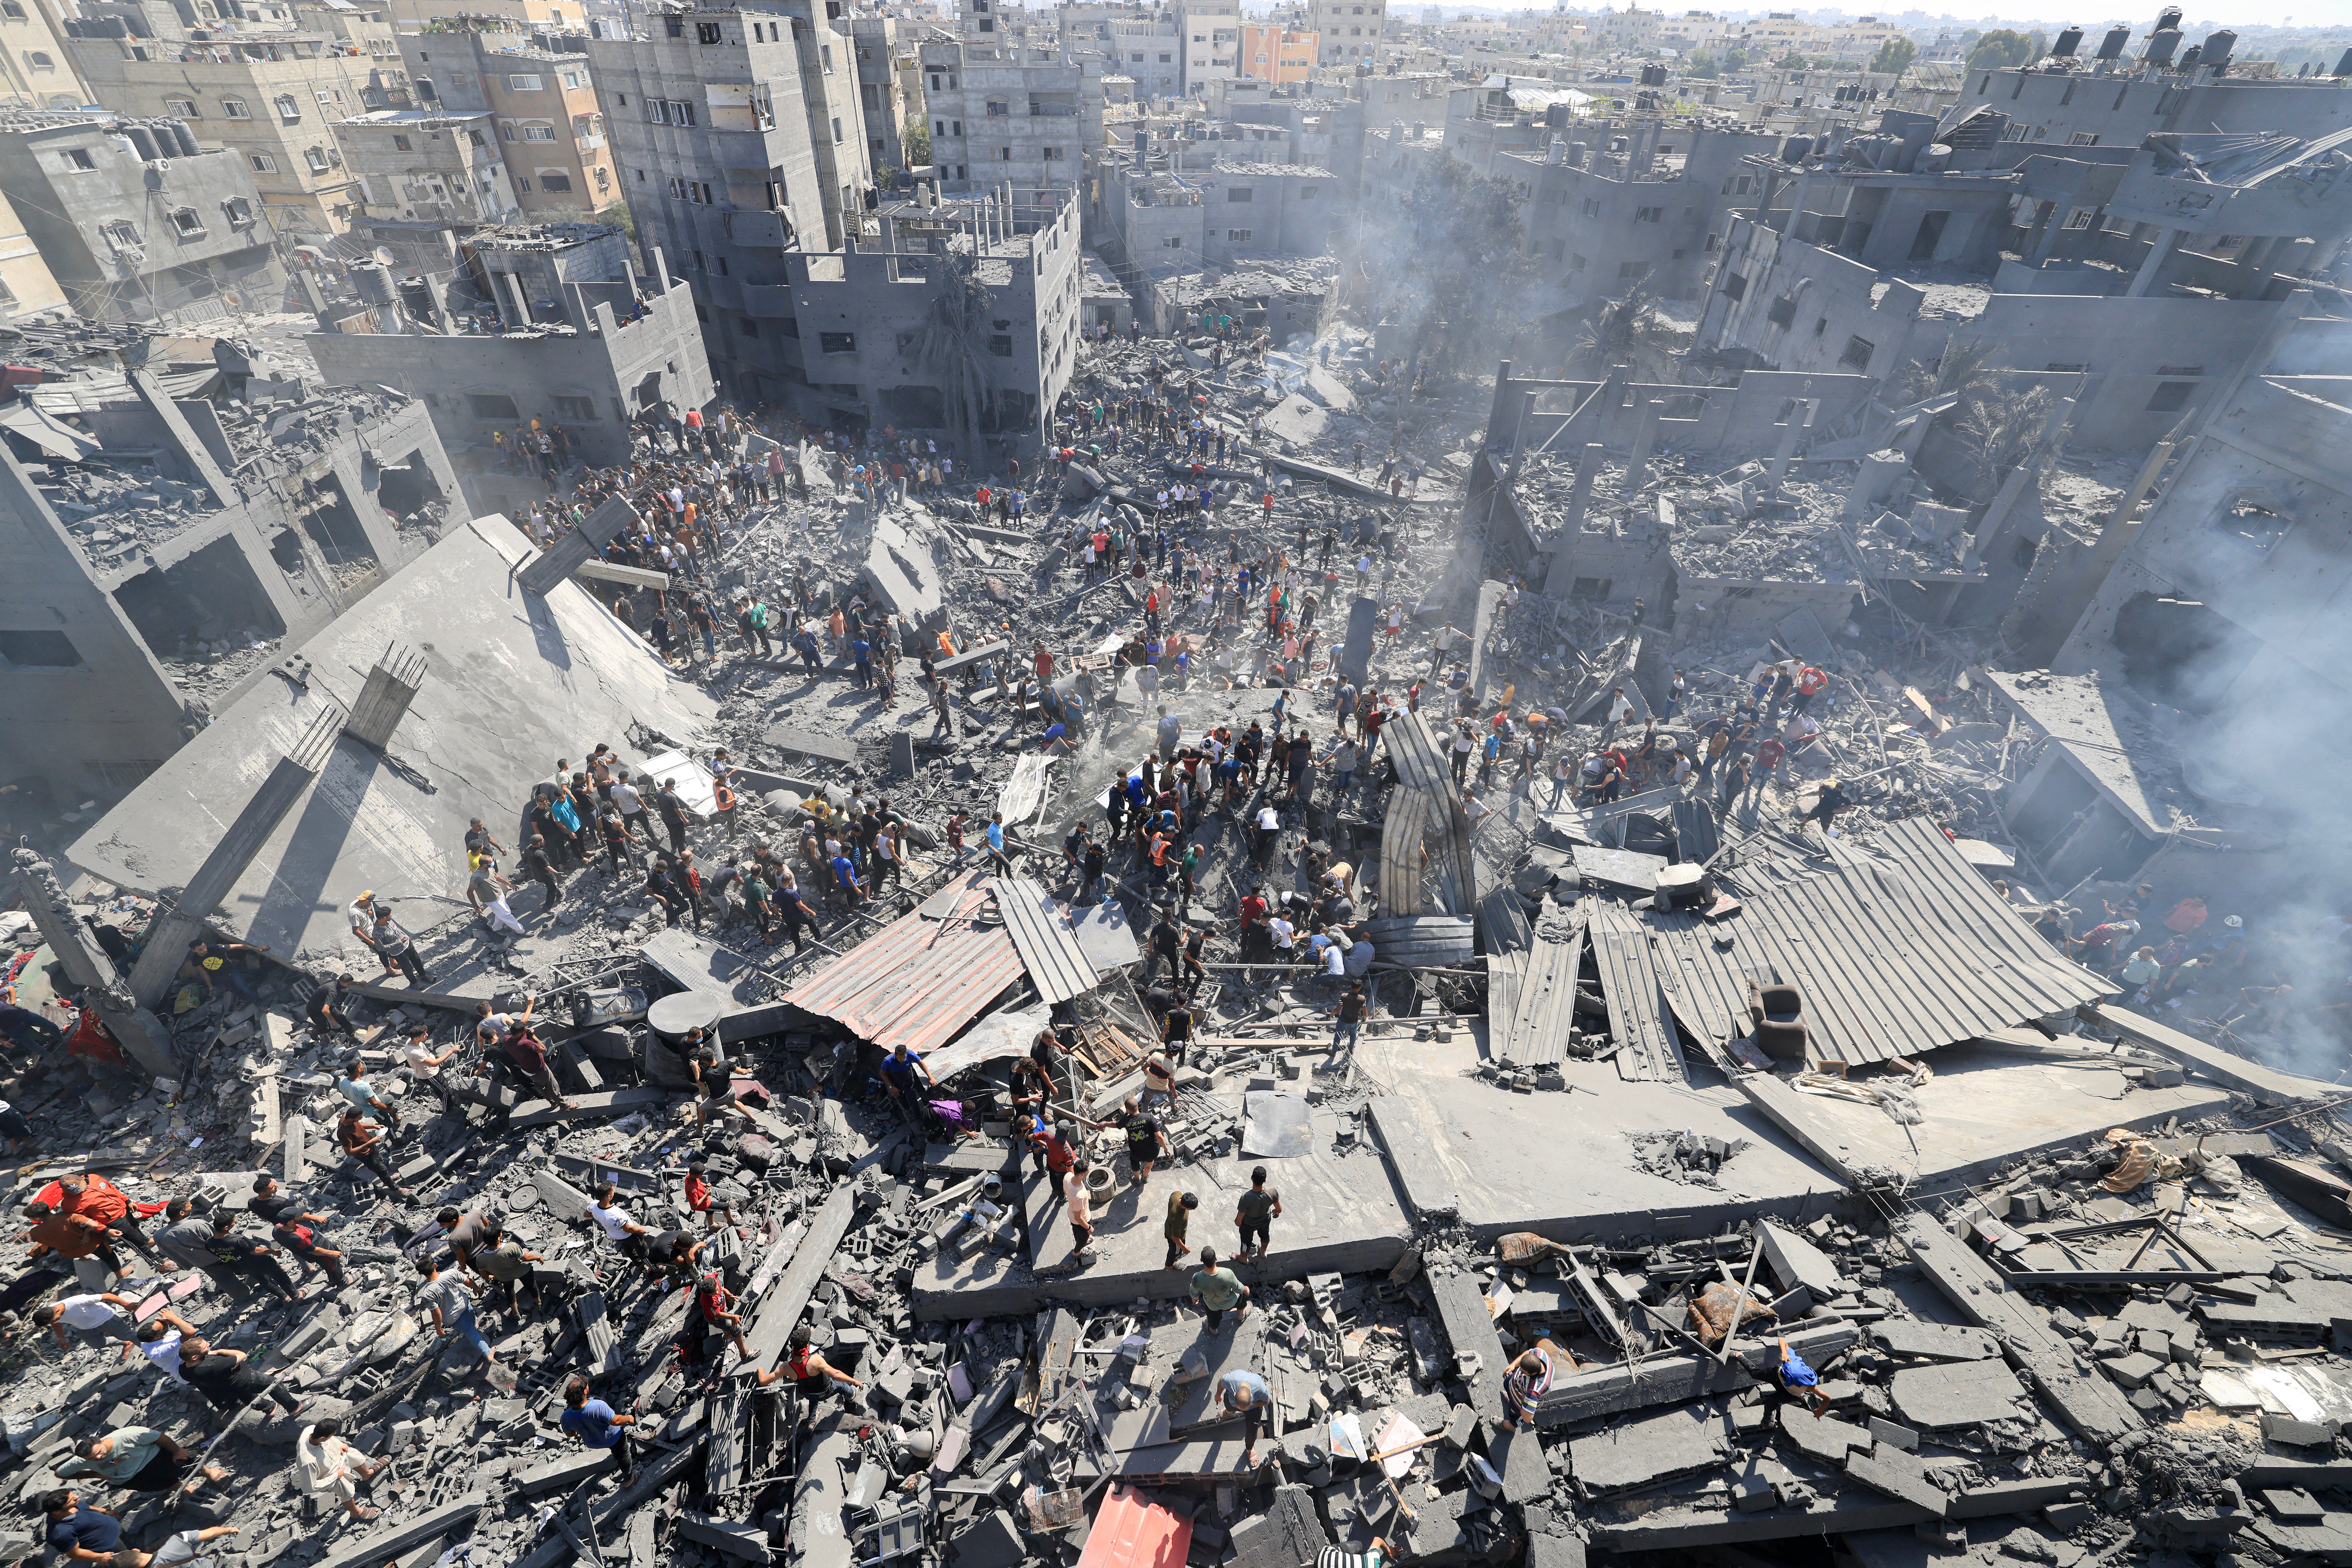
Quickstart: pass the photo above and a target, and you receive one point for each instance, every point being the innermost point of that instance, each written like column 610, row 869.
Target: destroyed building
column 551, row 322
column 135, row 222
column 420, row 166
column 539, row 88
column 171, row 539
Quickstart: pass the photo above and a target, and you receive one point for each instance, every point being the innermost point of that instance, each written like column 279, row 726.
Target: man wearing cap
column 360, row 915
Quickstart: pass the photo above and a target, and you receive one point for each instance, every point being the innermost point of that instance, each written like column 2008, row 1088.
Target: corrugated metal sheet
column 1421, row 764
column 1131, row 1533
column 1697, row 836
column 922, row 977
column 1504, row 932
column 1900, row 946
column 1421, row 941
column 1409, row 814
column 1049, row 950
column 1540, row 1025
column 1648, row 1050
column 1503, row 922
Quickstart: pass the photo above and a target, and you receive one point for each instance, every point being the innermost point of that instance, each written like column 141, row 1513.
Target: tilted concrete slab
column 512, row 682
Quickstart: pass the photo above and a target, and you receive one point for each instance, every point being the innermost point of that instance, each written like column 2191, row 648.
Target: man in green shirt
column 1180, row 1214
column 1219, row 1291
column 138, row 1458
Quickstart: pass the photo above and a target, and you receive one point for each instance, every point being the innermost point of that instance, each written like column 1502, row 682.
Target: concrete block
column 560, row 1475
column 2132, row 1371
column 1287, row 1533
column 1796, row 1261
column 1887, row 1434
column 2293, row 1505
column 2298, row 1434
column 1960, row 1394
column 1923, row 1341
column 1825, row 1439
column 994, row 1542
column 1754, row 1494
column 2066, row 1517
column 1899, row 1476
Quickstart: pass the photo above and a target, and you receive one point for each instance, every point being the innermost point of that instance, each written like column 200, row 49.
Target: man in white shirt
column 630, row 805
column 1286, row 939
column 423, row 1065
column 94, row 1319
column 186, row 1548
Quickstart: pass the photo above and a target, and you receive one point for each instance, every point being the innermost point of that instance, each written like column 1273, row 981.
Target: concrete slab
column 1340, row 1213
column 1796, row 1261
column 1963, row 1394
column 1918, row 1338
column 1648, row 1450
column 555, row 671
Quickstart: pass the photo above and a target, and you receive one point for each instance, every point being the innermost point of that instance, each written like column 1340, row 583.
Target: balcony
column 588, row 143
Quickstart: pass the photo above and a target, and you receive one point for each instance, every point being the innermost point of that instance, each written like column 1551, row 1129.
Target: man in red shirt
column 93, row 1197
column 1770, row 755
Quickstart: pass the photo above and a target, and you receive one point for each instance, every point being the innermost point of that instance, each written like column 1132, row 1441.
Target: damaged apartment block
column 171, row 536
column 551, row 322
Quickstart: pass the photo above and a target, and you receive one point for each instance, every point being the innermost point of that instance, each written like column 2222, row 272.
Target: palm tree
column 1962, row 369
column 1628, row 331
column 948, row 348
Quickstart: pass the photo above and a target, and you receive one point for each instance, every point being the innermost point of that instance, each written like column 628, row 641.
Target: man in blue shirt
column 906, row 1077
column 1244, row 1393
column 998, row 862
column 592, row 1422
column 1170, row 729
column 845, row 873
column 1802, row 1382
column 81, row 1532
column 861, row 662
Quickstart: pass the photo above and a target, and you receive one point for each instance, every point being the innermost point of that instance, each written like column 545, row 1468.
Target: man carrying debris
column 228, row 1378
column 1243, row 1393
column 364, row 1141
column 594, row 1424
column 327, row 1464
column 139, row 1458
column 329, row 1010
column 93, row 1320
column 907, row 1081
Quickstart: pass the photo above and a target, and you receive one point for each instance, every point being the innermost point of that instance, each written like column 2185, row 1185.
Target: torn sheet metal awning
column 920, row 979
column 1132, row 1531
column 1899, row 946
column 997, row 1037
column 1049, row 948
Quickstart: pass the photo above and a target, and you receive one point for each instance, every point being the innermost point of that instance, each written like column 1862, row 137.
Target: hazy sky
column 2202, row 18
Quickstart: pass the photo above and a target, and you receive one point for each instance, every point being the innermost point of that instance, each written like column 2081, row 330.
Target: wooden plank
column 780, row 1307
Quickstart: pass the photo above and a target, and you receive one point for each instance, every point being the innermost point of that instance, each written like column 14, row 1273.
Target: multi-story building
column 269, row 95
column 144, row 583
column 36, row 70
column 550, row 126
column 870, row 325
column 735, row 140
column 29, row 291
column 1646, row 203
column 563, row 329
column 546, row 16
column 1027, row 121
column 1277, row 54
column 890, row 86
column 415, row 165
column 136, row 224
column 1211, row 34
column 1347, row 32
column 1140, row 41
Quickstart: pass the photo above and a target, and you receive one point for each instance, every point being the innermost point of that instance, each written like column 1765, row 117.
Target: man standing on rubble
column 1078, row 1199
column 1255, row 1215
column 909, row 1081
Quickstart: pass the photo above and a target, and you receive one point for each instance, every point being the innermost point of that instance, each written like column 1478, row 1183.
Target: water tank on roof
column 1557, row 153
column 2217, row 46
column 2189, row 57
column 2160, row 46
column 1558, row 115
column 373, row 283
column 142, row 141
column 2344, row 65
column 1796, row 149
column 181, row 134
column 2112, row 48
column 2069, row 40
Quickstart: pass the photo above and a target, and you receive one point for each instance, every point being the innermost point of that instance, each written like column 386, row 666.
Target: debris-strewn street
column 1174, row 1013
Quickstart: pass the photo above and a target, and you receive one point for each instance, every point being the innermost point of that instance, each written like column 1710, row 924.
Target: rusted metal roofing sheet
column 924, row 976
column 1131, row 1533
column 1899, row 946
column 1546, row 1009
column 1040, row 930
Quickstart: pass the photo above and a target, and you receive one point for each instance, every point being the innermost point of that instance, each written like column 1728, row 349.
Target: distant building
column 416, row 165
column 551, row 324
column 1347, row 32
column 1277, row 54
column 1027, row 121
column 889, row 87
column 736, row 136
column 135, row 222
column 36, row 70
column 1211, row 34
column 550, row 126
column 269, row 95
column 29, row 291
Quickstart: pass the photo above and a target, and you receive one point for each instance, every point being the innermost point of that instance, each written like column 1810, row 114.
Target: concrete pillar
column 2037, row 246
column 1580, row 495
column 1793, row 430
column 142, row 1035
column 384, row 539
column 567, row 554
column 178, row 922
column 1645, row 433
column 1874, row 483
column 180, row 437
column 392, row 685
column 2156, row 252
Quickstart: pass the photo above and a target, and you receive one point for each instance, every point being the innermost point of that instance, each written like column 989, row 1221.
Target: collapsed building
column 172, row 534
column 551, row 322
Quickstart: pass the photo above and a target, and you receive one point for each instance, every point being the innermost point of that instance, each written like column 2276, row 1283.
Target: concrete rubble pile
column 2009, row 1276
